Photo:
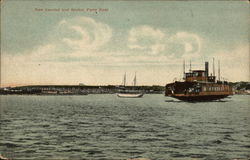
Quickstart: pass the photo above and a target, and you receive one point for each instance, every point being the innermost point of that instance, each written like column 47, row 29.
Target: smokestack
column 206, row 69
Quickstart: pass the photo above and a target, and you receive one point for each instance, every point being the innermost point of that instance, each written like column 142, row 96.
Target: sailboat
column 128, row 93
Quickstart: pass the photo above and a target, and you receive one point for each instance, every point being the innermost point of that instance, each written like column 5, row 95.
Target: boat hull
column 196, row 91
column 205, row 98
column 130, row 95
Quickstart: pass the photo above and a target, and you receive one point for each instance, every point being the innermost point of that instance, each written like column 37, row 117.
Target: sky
column 96, row 42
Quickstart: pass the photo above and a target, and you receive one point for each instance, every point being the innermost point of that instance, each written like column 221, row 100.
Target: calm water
column 107, row 127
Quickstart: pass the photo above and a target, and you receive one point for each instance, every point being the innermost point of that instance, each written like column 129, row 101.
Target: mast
column 219, row 70
column 124, row 79
column 184, row 70
column 213, row 68
column 190, row 67
column 134, row 81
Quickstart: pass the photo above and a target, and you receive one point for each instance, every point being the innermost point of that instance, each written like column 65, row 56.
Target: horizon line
column 26, row 85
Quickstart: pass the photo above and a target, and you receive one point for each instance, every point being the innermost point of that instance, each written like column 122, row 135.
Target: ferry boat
column 199, row 86
column 125, row 92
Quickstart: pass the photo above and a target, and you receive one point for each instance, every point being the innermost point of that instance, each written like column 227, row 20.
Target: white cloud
column 76, row 54
column 185, row 45
column 191, row 41
column 154, row 41
column 234, row 63
column 72, row 38
column 137, row 33
column 85, row 37
column 80, row 37
column 146, row 38
column 90, row 35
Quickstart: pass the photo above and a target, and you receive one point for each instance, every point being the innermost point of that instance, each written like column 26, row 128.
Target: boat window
column 204, row 88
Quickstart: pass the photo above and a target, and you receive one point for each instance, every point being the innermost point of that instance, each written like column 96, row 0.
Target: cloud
column 85, row 39
column 153, row 41
column 192, row 42
column 185, row 45
column 234, row 63
column 75, row 51
column 146, row 38
column 72, row 43
column 84, row 34
column 79, row 37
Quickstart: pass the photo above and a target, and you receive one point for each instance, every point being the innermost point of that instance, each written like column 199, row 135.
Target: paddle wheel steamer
column 199, row 86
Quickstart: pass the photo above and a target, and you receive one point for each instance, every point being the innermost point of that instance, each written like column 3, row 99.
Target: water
column 107, row 127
